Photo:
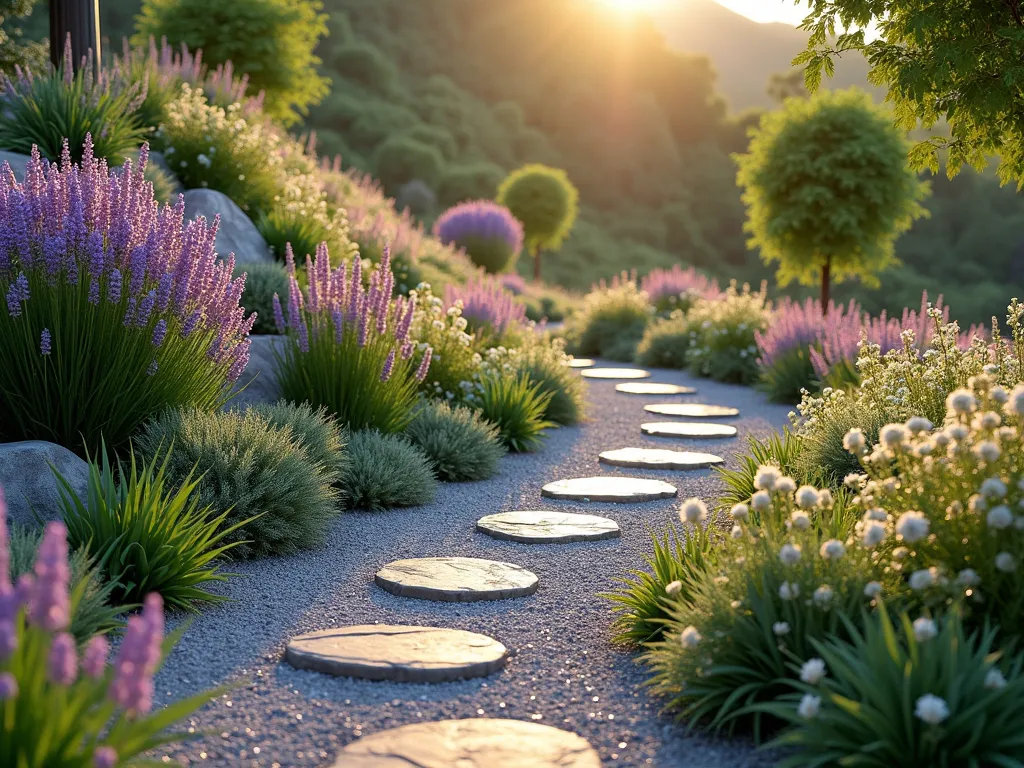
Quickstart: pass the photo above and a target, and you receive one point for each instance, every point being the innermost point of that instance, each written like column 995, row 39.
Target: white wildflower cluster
column 726, row 325
column 455, row 366
column 944, row 506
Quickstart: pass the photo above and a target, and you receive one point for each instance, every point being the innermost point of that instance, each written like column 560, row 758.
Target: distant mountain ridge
column 745, row 53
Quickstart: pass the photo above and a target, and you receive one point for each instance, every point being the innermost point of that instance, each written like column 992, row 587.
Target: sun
column 626, row 6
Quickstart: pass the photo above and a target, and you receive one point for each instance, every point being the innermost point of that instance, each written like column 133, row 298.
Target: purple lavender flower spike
column 421, row 372
column 104, row 757
column 114, row 287
column 152, row 369
column 486, row 302
column 130, row 312
column 45, row 342
column 389, row 366
column 13, row 301
column 132, row 685
column 407, row 349
column 63, row 660
column 159, row 332
column 303, row 336
column 8, row 686
column 660, row 284
column 94, row 660
column 278, row 315
column 145, row 309
column 49, row 603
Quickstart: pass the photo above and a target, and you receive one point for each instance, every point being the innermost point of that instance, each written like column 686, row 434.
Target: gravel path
column 565, row 672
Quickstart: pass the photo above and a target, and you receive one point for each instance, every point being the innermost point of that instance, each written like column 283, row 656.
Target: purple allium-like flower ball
column 488, row 232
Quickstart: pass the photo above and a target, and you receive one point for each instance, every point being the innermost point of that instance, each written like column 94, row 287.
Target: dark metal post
column 80, row 19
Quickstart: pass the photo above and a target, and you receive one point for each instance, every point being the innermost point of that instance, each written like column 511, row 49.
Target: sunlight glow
column 626, row 6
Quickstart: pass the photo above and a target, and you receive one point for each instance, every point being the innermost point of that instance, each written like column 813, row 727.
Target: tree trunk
column 81, row 20
column 536, row 265
column 826, row 277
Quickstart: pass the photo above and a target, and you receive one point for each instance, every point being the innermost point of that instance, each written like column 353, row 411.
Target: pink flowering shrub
column 349, row 347
column 676, row 288
column 113, row 309
column 61, row 705
column 486, row 304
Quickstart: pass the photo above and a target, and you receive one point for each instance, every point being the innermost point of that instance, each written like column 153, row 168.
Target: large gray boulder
column 258, row 384
column 237, row 234
column 30, row 488
column 18, row 163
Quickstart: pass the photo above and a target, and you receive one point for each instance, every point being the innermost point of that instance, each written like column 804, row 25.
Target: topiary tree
column 828, row 189
column 271, row 41
column 546, row 203
column 952, row 62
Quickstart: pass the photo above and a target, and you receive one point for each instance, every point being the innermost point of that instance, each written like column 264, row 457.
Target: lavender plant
column 489, row 308
column 115, row 309
column 65, row 108
column 676, row 288
column 349, row 347
column 488, row 232
column 59, row 708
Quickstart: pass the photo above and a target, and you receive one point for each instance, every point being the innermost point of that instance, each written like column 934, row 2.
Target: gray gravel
column 565, row 672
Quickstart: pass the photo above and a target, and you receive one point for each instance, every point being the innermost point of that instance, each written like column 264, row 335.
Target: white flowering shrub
column 905, row 382
column 775, row 587
column 211, row 147
column 611, row 321
column 722, row 343
column 943, row 510
column 922, row 694
column 455, row 366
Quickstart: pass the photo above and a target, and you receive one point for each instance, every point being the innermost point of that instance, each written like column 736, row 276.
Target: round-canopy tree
column 271, row 41
column 546, row 203
column 828, row 189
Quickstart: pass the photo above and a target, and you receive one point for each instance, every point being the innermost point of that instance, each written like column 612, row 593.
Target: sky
column 767, row 10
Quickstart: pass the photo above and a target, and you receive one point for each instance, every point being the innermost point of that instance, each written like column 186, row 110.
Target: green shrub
column 468, row 181
column 461, row 446
column 315, row 431
column 357, row 361
column 789, row 374
column 259, row 475
column 544, row 362
column 546, row 203
column 146, row 531
column 92, row 614
column 826, row 421
column 643, row 601
column 454, row 363
column 611, row 321
column 363, row 63
column 516, row 405
column 749, row 622
column 724, row 347
column 417, row 197
column 271, row 41
column 401, row 159
column 262, row 281
column 45, row 110
column 212, row 147
column 917, row 694
column 387, row 471
column 303, row 230
column 165, row 186
column 666, row 342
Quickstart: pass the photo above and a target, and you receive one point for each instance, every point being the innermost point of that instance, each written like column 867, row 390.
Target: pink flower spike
column 94, row 660
column 104, row 757
column 63, row 660
column 8, row 686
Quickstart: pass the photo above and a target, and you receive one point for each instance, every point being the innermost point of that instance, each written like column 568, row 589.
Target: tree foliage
column 958, row 62
column 271, row 41
column 13, row 51
column 546, row 203
column 828, row 189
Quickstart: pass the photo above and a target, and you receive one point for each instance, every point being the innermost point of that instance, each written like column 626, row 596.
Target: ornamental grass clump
column 64, row 108
column 214, row 147
column 514, row 403
column 62, row 706
column 461, row 446
column 749, row 621
column 916, row 694
column 349, row 347
column 676, row 288
column 544, row 362
column 145, row 534
column 942, row 509
column 115, row 309
column 454, row 363
column 488, row 232
column 487, row 306
column 611, row 321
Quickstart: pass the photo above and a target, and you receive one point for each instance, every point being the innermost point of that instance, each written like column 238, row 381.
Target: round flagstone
column 687, row 429
column 659, row 458
column 455, row 579
column 609, row 488
column 471, row 743
column 693, row 410
column 615, row 373
column 536, row 527
column 402, row 654
column 653, row 388
column 580, row 362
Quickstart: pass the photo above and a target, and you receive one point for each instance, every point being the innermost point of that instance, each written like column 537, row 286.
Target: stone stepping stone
column 615, row 373
column 653, row 388
column 580, row 362
column 455, row 579
column 687, row 429
column 693, row 410
column 622, row 490
column 659, row 458
column 534, row 527
column 471, row 743
column 402, row 654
